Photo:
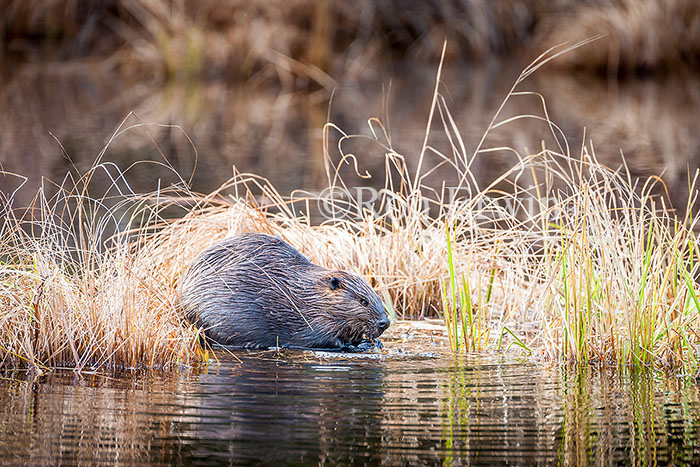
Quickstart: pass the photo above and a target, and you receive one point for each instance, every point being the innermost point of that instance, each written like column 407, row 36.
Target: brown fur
column 255, row 290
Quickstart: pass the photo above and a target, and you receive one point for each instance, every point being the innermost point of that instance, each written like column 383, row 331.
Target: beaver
column 258, row 291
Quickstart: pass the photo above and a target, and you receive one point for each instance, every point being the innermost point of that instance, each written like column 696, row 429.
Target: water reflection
column 277, row 133
column 275, row 410
column 499, row 413
column 639, row 416
column 64, row 418
column 295, row 408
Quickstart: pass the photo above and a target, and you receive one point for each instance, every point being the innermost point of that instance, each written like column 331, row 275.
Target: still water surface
column 305, row 409
column 278, row 134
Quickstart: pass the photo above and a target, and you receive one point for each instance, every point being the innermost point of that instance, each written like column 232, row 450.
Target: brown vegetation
column 300, row 42
column 584, row 264
column 594, row 268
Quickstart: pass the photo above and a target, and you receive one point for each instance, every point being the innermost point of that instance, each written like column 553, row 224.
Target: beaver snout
column 382, row 325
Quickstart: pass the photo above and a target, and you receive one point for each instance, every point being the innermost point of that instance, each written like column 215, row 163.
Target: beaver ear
column 335, row 283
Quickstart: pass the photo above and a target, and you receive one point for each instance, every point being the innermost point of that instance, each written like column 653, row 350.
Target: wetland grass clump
column 578, row 262
column 622, row 273
column 560, row 256
column 465, row 325
column 612, row 272
column 73, row 295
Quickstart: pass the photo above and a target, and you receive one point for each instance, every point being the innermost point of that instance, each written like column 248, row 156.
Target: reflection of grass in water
column 629, row 415
column 578, row 439
column 575, row 260
column 112, row 420
column 233, row 39
column 456, row 412
column 643, row 415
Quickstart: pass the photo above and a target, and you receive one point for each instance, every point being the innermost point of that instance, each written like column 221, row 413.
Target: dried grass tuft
column 573, row 260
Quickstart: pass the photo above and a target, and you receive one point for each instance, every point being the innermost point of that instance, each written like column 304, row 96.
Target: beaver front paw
column 363, row 346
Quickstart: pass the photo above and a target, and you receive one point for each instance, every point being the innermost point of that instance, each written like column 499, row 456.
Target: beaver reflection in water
column 258, row 291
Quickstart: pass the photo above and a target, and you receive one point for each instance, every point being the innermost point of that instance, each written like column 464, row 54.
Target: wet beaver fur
column 258, row 291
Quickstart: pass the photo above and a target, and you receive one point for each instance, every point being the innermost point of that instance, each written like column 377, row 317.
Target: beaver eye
column 335, row 283
column 364, row 302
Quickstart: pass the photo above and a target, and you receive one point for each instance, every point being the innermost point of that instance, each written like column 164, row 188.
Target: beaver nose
column 383, row 323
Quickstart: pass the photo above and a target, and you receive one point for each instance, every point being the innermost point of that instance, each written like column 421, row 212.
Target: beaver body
column 258, row 291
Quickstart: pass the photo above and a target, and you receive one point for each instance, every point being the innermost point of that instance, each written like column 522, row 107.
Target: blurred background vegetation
column 253, row 82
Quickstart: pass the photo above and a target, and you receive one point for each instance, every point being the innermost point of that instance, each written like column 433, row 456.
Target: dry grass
column 72, row 299
column 573, row 261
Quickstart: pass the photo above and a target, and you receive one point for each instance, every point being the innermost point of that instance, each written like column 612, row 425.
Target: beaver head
column 345, row 307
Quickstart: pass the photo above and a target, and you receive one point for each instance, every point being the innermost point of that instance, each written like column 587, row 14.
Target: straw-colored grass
column 69, row 300
column 574, row 261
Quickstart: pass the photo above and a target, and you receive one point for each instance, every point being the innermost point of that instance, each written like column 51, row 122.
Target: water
column 278, row 134
column 305, row 409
